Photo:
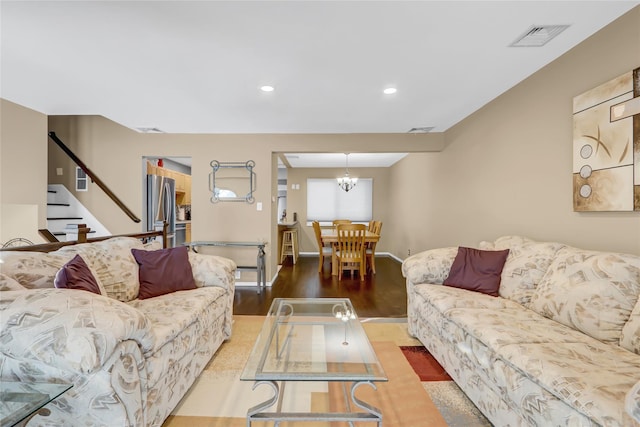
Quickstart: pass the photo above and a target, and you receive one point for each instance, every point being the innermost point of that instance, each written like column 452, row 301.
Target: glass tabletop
column 312, row 339
column 18, row 400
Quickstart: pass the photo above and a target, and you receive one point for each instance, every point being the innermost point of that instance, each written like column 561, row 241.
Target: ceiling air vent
column 538, row 35
column 149, row 130
column 426, row 129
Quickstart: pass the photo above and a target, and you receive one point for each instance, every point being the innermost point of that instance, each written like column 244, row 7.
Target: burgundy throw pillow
column 477, row 270
column 163, row 271
column 76, row 275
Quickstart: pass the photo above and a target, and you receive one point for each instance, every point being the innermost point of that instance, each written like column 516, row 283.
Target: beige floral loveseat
column 130, row 360
column 559, row 346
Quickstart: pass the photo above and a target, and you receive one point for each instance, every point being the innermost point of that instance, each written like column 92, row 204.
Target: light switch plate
column 259, row 206
column 58, row 171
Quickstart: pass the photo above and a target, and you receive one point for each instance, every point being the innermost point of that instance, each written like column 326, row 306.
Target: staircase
column 64, row 212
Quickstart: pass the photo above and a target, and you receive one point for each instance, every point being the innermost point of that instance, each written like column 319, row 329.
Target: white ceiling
column 196, row 67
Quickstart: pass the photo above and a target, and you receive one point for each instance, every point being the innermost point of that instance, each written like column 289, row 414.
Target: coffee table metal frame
column 273, row 360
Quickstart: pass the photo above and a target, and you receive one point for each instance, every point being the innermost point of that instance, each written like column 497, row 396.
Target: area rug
column 454, row 406
column 220, row 399
column 424, row 364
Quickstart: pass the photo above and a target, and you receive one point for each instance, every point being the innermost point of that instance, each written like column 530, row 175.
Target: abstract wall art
column 606, row 146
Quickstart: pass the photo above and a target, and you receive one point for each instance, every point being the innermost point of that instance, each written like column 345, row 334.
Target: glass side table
column 19, row 401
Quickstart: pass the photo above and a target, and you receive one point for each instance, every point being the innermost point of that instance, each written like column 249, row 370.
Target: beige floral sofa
column 130, row 360
column 560, row 346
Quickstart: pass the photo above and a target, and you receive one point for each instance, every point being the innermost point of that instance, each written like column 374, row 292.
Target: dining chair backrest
column 337, row 222
column 351, row 238
column 377, row 227
column 318, row 232
column 374, row 227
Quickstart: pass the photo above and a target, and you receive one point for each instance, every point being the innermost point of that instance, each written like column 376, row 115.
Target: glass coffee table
column 313, row 339
column 20, row 401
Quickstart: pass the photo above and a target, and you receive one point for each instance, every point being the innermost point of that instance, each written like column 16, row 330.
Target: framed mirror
column 232, row 181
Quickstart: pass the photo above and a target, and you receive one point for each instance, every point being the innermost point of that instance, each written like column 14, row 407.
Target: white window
column 326, row 201
column 82, row 181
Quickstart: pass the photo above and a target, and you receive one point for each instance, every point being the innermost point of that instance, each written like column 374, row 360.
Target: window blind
column 326, row 201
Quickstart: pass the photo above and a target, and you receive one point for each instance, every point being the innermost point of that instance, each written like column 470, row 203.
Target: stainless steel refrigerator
column 161, row 205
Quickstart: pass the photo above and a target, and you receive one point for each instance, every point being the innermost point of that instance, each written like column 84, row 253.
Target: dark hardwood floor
column 381, row 295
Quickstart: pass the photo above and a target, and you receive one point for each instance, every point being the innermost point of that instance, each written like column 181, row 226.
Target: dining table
column 329, row 236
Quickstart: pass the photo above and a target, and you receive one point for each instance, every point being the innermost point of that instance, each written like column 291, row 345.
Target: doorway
column 167, row 196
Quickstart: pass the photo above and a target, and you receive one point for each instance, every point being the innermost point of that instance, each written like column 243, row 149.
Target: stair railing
column 48, row 235
column 93, row 177
column 82, row 238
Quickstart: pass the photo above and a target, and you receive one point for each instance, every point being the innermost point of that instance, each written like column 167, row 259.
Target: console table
column 260, row 266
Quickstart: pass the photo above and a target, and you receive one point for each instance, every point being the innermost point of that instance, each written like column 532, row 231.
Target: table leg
column 261, row 269
column 334, row 261
column 260, row 407
column 371, row 414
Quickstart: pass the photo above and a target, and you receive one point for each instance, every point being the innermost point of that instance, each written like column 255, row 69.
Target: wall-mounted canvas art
column 606, row 146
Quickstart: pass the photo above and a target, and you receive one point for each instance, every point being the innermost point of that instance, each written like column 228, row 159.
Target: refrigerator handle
column 167, row 201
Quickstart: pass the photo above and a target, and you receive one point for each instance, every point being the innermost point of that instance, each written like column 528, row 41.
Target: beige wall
column 23, row 168
column 507, row 169
column 114, row 153
column 297, row 199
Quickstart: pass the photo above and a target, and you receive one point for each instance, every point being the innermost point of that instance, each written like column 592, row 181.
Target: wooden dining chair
column 370, row 249
column 337, row 222
column 323, row 251
column 351, row 246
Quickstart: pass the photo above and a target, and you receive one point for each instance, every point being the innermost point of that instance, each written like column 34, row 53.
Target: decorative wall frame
column 606, row 146
column 232, row 181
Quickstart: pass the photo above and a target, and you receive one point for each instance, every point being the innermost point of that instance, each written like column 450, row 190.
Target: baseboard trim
column 250, row 284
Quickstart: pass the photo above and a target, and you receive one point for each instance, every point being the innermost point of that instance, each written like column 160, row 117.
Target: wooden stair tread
column 63, row 217
column 63, row 233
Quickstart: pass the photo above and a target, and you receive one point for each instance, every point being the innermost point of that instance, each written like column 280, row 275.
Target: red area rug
column 424, row 364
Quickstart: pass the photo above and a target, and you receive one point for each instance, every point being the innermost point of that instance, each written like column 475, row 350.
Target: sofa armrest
column 120, row 387
column 430, row 266
column 69, row 329
column 632, row 402
column 212, row 270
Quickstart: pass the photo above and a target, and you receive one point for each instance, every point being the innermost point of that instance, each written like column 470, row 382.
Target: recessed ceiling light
column 390, row 90
column 267, row 88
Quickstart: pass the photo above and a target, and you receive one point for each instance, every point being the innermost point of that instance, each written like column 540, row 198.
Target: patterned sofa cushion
column 527, row 263
column 113, row 264
column 33, row 270
column 177, row 322
column 68, row 329
column 593, row 292
column 538, row 349
column 430, row 266
column 632, row 402
column 212, row 270
column 9, row 284
column 446, row 298
column 631, row 331
column 590, row 376
column 170, row 314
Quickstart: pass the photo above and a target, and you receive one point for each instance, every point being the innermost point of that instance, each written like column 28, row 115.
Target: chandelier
column 346, row 182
